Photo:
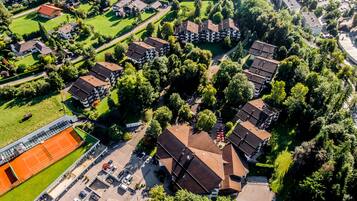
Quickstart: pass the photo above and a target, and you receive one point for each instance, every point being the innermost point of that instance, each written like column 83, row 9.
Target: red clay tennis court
column 38, row 158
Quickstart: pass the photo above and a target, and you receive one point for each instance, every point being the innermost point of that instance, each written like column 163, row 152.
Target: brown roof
column 103, row 70
column 188, row 26
column 138, row 4
column 197, row 163
column 255, row 111
column 247, row 138
column 156, row 5
column 83, row 86
column 234, row 166
column 122, row 3
column 156, row 42
column 208, row 25
column 264, row 67
column 227, row 24
column 257, row 80
column 137, row 50
column 262, row 49
column 25, row 46
column 67, row 28
column 47, row 9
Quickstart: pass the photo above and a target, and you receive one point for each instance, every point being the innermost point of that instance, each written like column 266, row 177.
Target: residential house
column 310, row 21
column 196, row 164
column 264, row 67
column 140, row 52
column 67, row 30
column 228, row 28
column 49, row 11
column 249, row 139
column 107, row 72
column 262, row 49
column 258, row 113
column 125, row 8
column 162, row 47
column 292, row 5
column 209, row 32
column 29, row 47
column 188, row 32
column 88, row 90
column 156, row 5
column 257, row 80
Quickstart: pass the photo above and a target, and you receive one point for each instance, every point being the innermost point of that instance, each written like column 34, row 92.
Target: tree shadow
column 26, row 101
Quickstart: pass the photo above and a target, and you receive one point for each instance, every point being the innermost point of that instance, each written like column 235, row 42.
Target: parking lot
column 121, row 175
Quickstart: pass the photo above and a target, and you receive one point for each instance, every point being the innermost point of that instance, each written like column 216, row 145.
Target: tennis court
column 38, row 158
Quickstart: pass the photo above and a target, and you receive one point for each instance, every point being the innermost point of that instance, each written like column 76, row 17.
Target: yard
column 43, row 109
column 103, row 106
column 189, row 6
column 31, row 188
column 27, row 60
column 29, row 23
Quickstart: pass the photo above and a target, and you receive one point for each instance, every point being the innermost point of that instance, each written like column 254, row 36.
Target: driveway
column 26, row 79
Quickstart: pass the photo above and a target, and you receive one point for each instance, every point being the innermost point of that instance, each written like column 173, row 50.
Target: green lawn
column 84, row 7
column 103, row 106
column 110, row 25
column 28, row 60
column 188, row 7
column 44, row 110
column 215, row 48
column 29, row 23
column 31, row 188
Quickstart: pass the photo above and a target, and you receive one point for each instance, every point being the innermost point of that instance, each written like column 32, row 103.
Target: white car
column 123, row 186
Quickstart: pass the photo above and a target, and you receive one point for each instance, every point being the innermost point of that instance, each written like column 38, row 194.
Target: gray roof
column 292, row 5
column 311, row 20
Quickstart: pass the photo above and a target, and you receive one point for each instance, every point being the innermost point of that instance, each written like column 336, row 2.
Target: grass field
column 188, row 7
column 28, row 60
column 44, row 110
column 29, row 23
column 31, row 188
column 103, row 106
column 110, row 25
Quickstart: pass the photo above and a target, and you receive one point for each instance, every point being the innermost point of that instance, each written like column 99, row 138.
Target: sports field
column 38, row 158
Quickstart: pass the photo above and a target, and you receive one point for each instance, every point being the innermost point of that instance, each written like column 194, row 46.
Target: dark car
column 82, row 194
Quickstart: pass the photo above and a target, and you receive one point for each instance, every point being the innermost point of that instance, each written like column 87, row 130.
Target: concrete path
column 24, row 13
column 26, row 79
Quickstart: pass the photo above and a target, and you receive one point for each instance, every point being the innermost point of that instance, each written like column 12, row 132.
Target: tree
column 206, row 120
column 292, row 70
column 354, row 20
column 295, row 103
column 157, row 193
column 150, row 29
column 167, row 30
column 238, row 53
column 43, row 32
column 198, row 5
column 5, row 18
column 200, row 56
column 163, row 115
column 175, row 5
column 185, row 113
column 69, row 72
column 120, row 50
column 209, row 95
column 227, row 70
column 115, row 132
column 176, row 102
column 228, row 42
column 217, row 18
column 239, row 90
column 154, row 129
column 277, row 94
column 55, row 80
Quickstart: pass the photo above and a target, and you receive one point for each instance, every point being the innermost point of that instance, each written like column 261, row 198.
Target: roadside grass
column 31, row 188
column 43, row 109
column 27, row 60
column 29, row 23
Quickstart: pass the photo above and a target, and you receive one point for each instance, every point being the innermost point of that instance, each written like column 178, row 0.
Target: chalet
column 209, row 32
column 67, row 31
column 196, row 164
column 107, row 72
column 257, row 80
column 29, row 47
column 249, row 139
column 264, row 67
column 156, row 5
column 125, row 8
column 140, row 52
column 49, row 11
column 310, row 21
column 258, row 113
column 228, row 28
column 188, row 32
column 162, row 47
column 262, row 49
column 89, row 89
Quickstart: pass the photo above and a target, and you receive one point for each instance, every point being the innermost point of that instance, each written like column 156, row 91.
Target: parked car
column 82, row 195
column 123, row 186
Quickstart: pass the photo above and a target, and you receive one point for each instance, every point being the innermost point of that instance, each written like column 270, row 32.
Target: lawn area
column 28, row 60
column 31, row 188
column 103, row 106
column 110, row 25
column 44, row 110
column 189, row 6
column 29, row 23
column 85, row 7
column 215, row 48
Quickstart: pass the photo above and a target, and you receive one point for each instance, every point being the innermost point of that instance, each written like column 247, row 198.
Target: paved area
column 121, row 155
column 257, row 189
column 347, row 45
column 26, row 79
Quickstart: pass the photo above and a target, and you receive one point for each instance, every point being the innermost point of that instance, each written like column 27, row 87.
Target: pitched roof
column 44, row 49
column 247, row 138
column 197, row 163
column 264, row 67
column 257, row 80
column 137, row 50
column 47, row 9
column 156, row 5
column 84, row 85
column 67, row 28
column 208, row 25
column 256, row 111
column 227, row 24
column 137, row 4
column 122, row 3
column 24, row 46
column 262, row 49
column 156, row 42
column 103, row 70
column 311, row 20
column 188, row 26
